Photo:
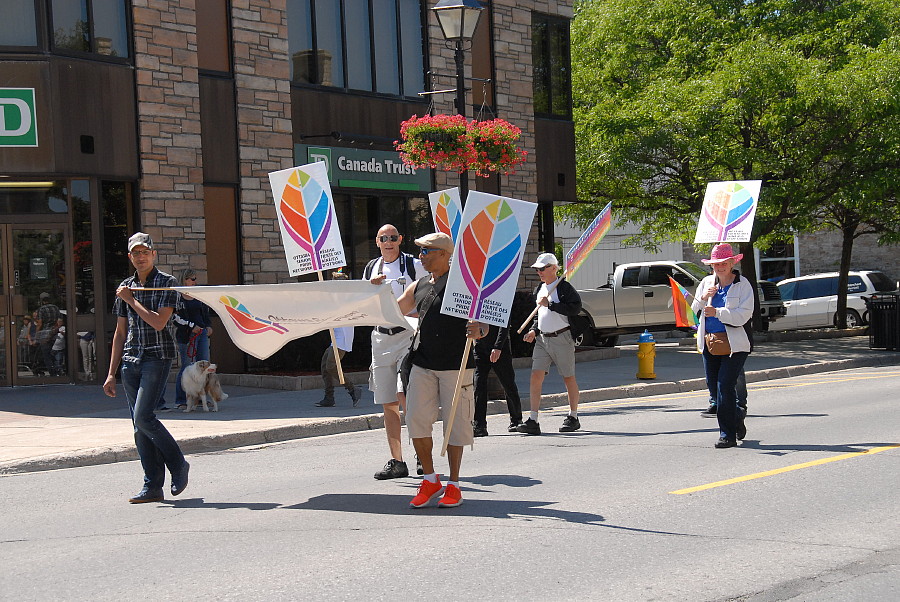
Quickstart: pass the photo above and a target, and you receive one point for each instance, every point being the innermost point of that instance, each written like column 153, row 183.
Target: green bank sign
column 355, row 168
column 18, row 119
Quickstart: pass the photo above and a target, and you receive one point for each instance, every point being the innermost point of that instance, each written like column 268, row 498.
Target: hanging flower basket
column 454, row 144
column 496, row 146
column 435, row 141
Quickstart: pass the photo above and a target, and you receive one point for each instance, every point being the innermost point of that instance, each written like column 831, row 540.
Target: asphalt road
column 637, row 506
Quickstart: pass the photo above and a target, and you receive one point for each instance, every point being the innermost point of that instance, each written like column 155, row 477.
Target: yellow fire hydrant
column 646, row 355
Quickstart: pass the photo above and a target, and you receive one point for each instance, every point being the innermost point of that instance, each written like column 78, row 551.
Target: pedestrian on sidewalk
column 390, row 344
column 193, row 328
column 495, row 352
column 436, row 358
column 726, row 300
column 551, row 331
column 144, row 346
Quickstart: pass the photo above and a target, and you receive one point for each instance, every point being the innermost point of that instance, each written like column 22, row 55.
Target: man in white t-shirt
column 390, row 344
column 551, row 331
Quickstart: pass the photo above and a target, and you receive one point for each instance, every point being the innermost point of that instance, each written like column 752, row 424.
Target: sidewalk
column 62, row 426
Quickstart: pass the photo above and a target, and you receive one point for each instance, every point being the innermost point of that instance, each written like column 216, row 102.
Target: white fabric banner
column 306, row 216
column 262, row 318
column 487, row 258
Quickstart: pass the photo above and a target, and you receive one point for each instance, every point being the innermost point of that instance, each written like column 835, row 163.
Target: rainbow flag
column 586, row 243
column 684, row 315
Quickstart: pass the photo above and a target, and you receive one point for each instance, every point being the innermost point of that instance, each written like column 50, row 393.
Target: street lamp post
column 458, row 20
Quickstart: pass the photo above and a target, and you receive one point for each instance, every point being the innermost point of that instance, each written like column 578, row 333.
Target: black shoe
column 479, row 431
column 529, row 427
column 147, row 495
column 570, row 424
column 722, row 443
column 180, row 479
column 513, row 427
column 326, row 403
column 419, row 470
column 710, row 411
column 163, row 409
column 741, row 431
column 355, row 395
column 394, row 469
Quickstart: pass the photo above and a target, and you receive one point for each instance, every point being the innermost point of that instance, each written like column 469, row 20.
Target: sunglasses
column 427, row 250
column 192, row 279
column 542, row 269
column 388, row 237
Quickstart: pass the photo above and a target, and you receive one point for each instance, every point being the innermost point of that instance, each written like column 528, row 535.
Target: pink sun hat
column 722, row 252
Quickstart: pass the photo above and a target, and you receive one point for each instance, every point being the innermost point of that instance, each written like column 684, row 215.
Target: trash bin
column 884, row 321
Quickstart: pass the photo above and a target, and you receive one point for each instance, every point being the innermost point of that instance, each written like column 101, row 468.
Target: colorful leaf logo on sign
column 729, row 207
column 247, row 322
column 447, row 216
column 306, row 214
column 490, row 249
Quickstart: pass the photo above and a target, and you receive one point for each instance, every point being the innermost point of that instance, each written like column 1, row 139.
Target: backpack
column 409, row 263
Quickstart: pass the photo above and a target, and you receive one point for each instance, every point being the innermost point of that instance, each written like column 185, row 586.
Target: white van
column 811, row 301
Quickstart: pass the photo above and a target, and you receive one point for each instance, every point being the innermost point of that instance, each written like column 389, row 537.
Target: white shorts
column 387, row 352
column 430, row 397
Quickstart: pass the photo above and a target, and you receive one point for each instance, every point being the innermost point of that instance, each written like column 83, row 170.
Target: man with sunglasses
column 436, row 360
column 551, row 331
column 390, row 344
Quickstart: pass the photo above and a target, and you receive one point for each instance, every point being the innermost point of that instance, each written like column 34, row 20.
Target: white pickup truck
column 638, row 296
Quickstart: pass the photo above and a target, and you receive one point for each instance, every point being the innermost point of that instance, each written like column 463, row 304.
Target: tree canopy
column 670, row 95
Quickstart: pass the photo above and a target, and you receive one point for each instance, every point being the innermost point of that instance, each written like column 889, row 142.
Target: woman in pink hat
column 726, row 300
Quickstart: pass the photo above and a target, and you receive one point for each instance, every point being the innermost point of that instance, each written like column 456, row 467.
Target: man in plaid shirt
column 144, row 346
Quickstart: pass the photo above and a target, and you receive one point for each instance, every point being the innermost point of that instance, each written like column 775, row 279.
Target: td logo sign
column 18, row 119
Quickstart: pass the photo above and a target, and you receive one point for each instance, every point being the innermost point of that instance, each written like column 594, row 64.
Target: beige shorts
column 559, row 350
column 387, row 351
column 430, row 397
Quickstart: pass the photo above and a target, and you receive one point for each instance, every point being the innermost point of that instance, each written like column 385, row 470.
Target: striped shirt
column 144, row 340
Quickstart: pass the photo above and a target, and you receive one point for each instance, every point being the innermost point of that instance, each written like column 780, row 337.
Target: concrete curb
column 333, row 426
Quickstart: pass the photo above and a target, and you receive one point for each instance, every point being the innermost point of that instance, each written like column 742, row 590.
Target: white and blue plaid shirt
column 144, row 340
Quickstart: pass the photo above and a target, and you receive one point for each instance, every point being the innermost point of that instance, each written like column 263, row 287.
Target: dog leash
column 192, row 347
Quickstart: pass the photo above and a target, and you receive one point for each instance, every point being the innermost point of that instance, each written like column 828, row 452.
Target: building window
column 18, row 27
column 552, row 66
column 94, row 26
column 366, row 45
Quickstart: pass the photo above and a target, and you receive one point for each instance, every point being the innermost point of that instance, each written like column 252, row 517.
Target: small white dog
column 199, row 380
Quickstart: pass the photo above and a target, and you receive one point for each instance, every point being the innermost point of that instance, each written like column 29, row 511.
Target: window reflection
column 18, row 26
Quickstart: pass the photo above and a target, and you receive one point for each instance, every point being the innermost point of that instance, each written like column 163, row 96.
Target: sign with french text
column 306, row 216
column 487, row 258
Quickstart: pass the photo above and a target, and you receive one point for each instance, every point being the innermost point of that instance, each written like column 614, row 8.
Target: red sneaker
column 427, row 492
column 452, row 497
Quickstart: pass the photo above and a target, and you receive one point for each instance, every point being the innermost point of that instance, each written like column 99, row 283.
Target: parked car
column 638, row 296
column 811, row 300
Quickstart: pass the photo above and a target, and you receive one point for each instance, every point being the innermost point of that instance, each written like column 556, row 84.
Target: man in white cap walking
column 551, row 331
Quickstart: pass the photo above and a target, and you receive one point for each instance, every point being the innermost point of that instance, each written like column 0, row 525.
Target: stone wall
column 170, row 191
column 262, row 76
column 821, row 252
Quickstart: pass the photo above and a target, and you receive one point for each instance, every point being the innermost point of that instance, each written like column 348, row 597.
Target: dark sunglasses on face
column 542, row 269
column 388, row 237
column 192, row 278
column 426, row 250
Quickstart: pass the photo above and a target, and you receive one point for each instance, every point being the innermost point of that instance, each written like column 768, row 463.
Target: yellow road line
column 770, row 473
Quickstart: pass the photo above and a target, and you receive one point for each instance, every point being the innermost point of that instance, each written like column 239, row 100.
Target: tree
column 670, row 95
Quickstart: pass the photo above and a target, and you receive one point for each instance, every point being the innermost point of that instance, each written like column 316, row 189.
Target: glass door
column 35, row 310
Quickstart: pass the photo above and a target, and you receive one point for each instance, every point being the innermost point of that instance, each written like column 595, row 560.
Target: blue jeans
column 202, row 348
column 740, row 391
column 144, row 382
column 721, row 377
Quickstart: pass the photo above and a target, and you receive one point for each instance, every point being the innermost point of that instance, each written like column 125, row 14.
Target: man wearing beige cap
column 144, row 346
column 551, row 331
column 437, row 354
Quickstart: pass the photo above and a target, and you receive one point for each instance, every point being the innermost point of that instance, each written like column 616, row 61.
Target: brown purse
column 717, row 343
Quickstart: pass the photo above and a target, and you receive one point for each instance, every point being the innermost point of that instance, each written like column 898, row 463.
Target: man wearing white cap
column 551, row 332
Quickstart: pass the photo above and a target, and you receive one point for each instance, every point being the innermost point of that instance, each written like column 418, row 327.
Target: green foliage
column 672, row 94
